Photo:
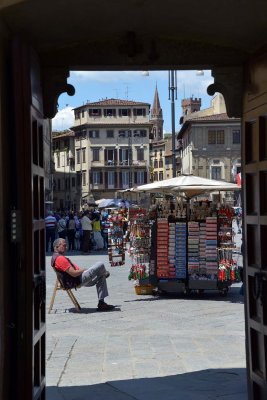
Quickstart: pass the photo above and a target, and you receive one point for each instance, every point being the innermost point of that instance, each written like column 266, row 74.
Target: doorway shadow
column 207, row 384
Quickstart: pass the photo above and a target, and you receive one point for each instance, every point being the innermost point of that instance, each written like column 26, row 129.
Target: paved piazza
column 148, row 348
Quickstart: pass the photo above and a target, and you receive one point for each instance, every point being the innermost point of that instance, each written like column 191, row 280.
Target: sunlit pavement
column 183, row 347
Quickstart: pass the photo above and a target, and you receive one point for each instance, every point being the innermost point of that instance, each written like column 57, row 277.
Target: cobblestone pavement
column 176, row 347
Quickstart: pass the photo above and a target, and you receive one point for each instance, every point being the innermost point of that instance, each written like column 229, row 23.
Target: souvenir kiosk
column 192, row 249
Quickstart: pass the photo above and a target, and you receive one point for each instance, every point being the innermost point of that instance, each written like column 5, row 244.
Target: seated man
column 95, row 275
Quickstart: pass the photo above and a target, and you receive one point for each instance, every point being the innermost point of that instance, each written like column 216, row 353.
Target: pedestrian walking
column 78, row 232
column 98, row 239
column 86, row 223
column 61, row 227
column 71, row 229
column 50, row 230
column 104, row 229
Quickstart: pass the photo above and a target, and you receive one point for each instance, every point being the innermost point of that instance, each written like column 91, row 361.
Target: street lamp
column 70, row 159
column 130, row 157
column 172, row 92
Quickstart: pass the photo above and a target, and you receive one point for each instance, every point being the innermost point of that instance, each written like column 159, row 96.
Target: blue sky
column 132, row 85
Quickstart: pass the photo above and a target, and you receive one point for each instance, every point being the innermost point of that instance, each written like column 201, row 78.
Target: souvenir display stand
column 116, row 240
column 228, row 268
column 168, row 266
column 168, row 256
column 193, row 251
column 139, row 250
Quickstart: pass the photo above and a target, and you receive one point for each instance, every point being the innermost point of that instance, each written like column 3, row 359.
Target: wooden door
column 28, row 224
column 254, row 181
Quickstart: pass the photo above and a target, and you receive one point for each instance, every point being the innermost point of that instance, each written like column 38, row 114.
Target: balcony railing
column 125, row 163
column 114, row 186
column 139, row 162
column 110, row 163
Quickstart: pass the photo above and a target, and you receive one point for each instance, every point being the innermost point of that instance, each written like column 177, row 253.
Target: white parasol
column 190, row 185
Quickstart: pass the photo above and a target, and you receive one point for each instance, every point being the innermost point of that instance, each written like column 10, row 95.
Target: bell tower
column 157, row 118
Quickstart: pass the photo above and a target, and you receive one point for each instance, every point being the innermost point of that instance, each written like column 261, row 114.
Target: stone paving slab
column 171, row 347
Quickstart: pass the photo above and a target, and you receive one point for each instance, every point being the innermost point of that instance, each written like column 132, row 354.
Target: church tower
column 190, row 106
column 157, row 118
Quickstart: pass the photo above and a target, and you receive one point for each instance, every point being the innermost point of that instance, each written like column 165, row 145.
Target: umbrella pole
column 187, row 208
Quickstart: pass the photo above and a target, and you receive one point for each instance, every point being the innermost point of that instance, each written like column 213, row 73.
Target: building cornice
column 204, row 121
column 111, row 125
column 112, row 103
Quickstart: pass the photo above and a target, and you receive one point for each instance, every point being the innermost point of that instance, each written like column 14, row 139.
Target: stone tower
column 157, row 118
column 190, row 106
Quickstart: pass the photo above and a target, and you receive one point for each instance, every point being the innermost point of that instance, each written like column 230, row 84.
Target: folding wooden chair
column 59, row 286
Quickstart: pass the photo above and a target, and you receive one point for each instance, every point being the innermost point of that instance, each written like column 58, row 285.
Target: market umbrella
column 107, row 203
column 104, row 203
column 190, row 185
column 100, row 200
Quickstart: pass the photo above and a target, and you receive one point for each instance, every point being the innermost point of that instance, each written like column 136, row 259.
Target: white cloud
column 64, row 119
column 104, row 76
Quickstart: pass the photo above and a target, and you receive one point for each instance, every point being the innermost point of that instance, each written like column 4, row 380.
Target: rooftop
column 223, row 117
column 62, row 134
column 113, row 102
column 214, row 117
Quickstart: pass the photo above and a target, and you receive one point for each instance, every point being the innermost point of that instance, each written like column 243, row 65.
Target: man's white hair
column 57, row 241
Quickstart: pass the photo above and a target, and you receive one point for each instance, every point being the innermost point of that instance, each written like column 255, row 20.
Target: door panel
column 29, row 199
column 254, row 155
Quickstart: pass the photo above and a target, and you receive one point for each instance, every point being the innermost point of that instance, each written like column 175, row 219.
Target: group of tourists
column 84, row 231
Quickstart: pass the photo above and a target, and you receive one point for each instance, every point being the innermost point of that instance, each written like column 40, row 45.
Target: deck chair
column 59, row 286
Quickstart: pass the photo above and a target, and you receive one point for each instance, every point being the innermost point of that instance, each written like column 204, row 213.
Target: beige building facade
column 161, row 160
column 157, row 161
column 66, row 184
column 211, row 143
column 48, row 164
column 111, row 146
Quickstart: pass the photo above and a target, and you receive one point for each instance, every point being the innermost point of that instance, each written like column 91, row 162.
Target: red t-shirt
column 63, row 264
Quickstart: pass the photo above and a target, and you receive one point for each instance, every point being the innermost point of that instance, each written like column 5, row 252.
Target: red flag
column 238, row 179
